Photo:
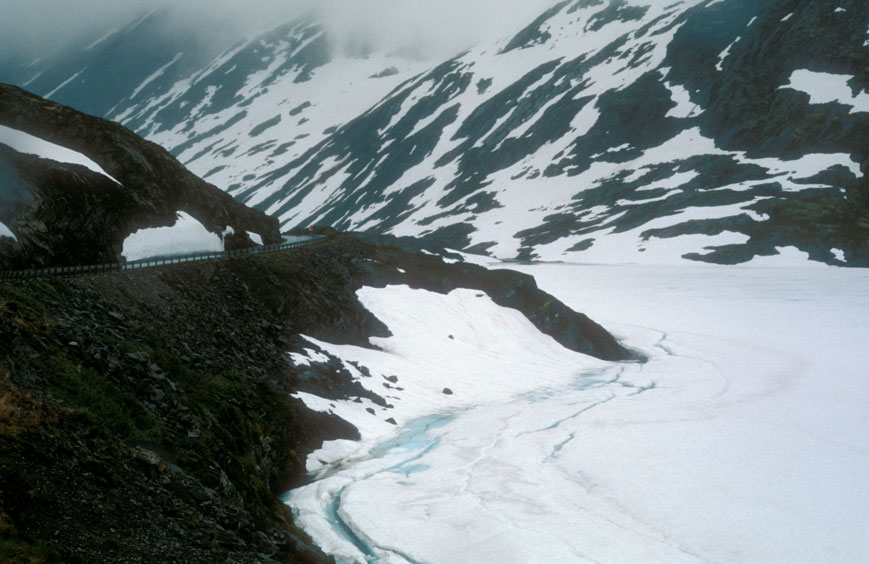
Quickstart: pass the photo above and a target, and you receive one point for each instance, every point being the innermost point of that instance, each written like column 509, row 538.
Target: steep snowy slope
column 264, row 102
column 232, row 114
column 613, row 132
column 610, row 131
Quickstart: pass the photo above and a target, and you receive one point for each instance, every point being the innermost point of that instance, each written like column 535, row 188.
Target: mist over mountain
column 599, row 131
column 432, row 29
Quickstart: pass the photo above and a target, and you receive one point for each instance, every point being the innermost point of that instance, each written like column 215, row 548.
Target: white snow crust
column 684, row 107
column 6, row 232
column 186, row 236
column 306, row 358
column 101, row 39
column 255, row 237
column 155, row 75
column 64, row 83
column 32, row 145
column 824, row 87
column 724, row 54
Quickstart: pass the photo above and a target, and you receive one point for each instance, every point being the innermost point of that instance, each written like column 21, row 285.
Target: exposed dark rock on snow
column 65, row 214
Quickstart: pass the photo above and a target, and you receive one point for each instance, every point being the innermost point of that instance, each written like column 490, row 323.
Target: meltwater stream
column 398, row 455
column 409, row 446
column 426, row 445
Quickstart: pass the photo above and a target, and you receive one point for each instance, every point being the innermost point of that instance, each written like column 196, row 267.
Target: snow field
column 482, row 352
column 470, row 344
column 775, row 441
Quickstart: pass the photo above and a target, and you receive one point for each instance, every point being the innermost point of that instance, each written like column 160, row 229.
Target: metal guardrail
column 53, row 272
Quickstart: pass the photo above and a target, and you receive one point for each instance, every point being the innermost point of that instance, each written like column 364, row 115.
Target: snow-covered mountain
column 641, row 131
column 233, row 117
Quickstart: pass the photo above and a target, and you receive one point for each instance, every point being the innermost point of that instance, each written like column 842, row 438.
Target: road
column 289, row 242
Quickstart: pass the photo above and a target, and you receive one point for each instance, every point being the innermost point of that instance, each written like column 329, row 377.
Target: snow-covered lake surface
column 744, row 438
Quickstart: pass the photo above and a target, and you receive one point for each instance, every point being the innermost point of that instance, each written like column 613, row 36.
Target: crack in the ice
column 370, row 551
column 639, row 389
column 660, row 344
column 557, row 448
column 558, row 423
column 467, row 469
column 375, row 553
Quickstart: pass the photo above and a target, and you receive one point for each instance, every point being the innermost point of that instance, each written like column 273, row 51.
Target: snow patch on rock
column 255, row 237
column 186, row 236
column 825, row 87
column 32, row 145
column 6, row 232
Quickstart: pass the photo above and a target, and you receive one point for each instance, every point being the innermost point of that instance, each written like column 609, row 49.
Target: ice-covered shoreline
column 734, row 410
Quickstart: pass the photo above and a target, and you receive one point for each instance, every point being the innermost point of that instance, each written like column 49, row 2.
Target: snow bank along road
column 743, row 439
column 290, row 242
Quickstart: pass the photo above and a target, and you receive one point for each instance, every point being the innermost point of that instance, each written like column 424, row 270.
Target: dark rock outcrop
column 61, row 214
column 55, row 208
column 147, row 416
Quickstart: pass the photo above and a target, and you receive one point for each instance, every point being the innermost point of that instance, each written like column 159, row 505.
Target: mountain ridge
column 602, row 132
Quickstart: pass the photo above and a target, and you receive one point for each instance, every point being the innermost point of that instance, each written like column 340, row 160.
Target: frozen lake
column 744, row 438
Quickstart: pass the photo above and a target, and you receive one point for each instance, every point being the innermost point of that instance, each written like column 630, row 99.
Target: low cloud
column 430, row 28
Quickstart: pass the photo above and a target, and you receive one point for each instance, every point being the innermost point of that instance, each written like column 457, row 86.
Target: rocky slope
column 65, row 214
column 146, row 416
column 604, row 131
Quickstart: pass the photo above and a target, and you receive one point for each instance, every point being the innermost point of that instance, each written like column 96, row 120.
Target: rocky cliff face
column 63, row 214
